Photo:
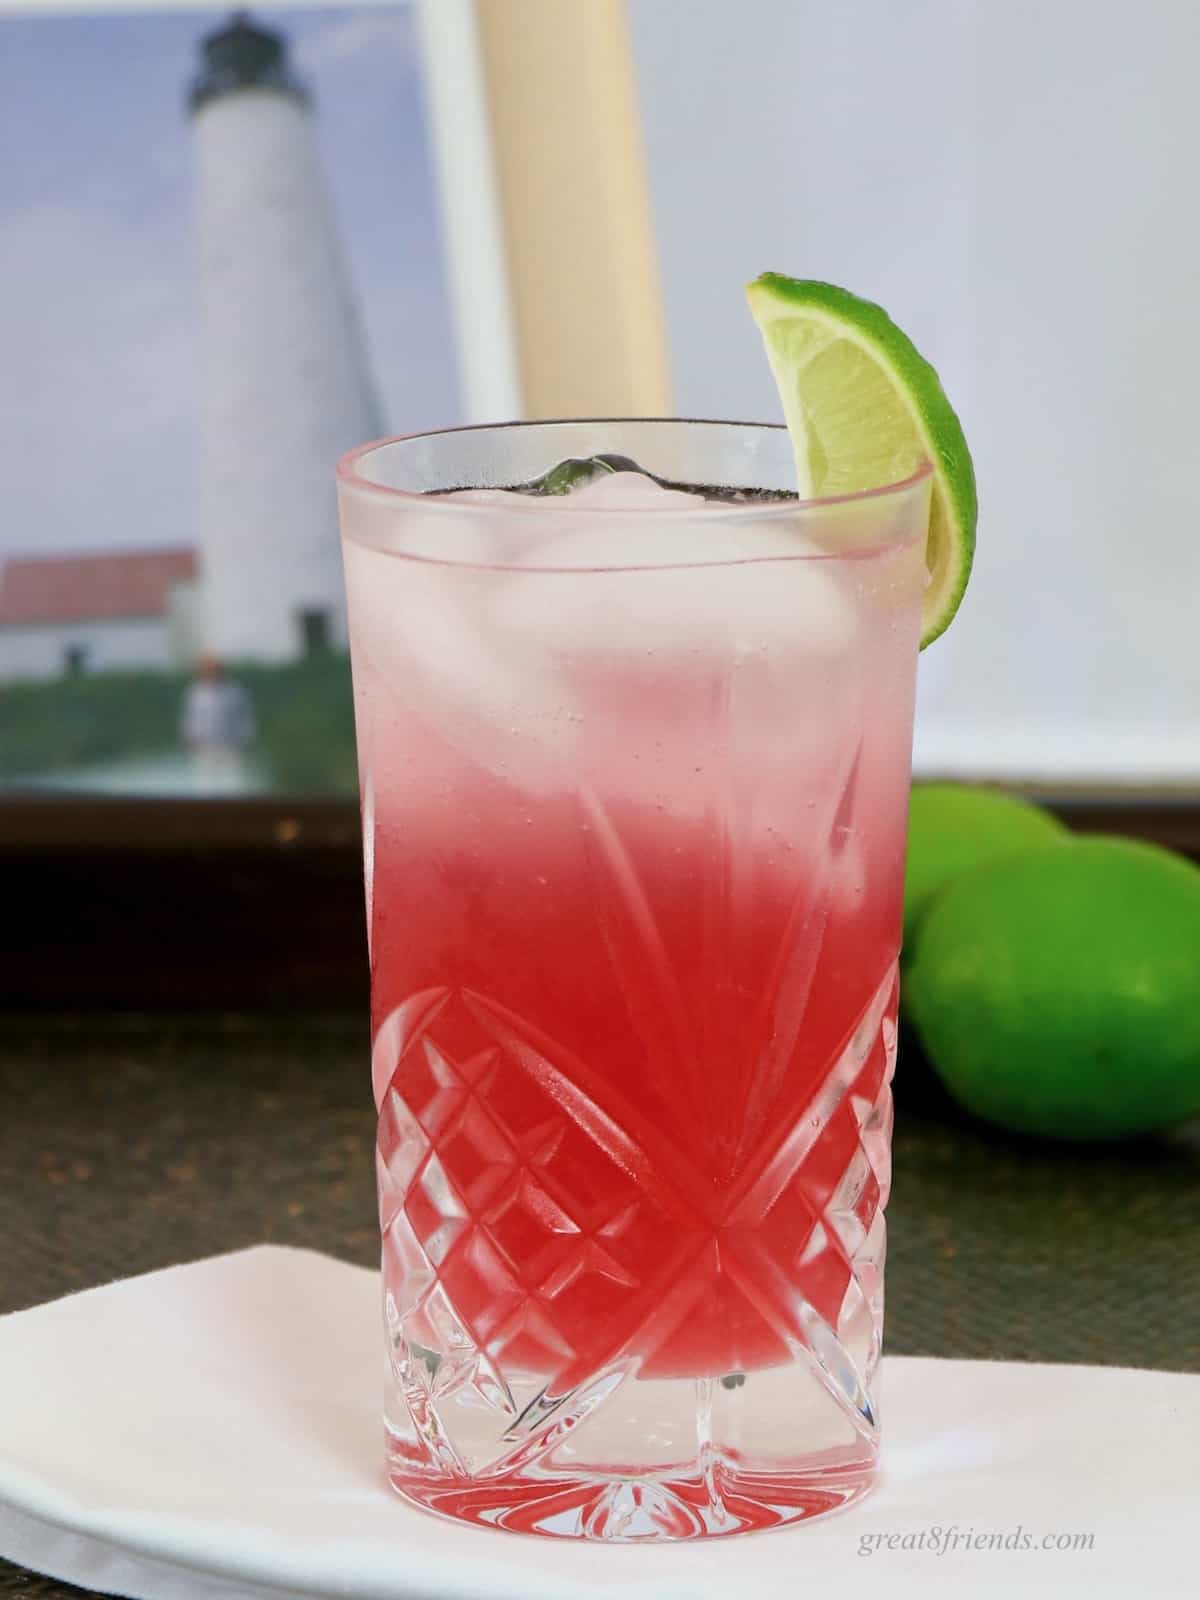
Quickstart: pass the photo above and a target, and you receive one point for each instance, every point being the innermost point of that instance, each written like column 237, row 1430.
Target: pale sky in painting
column 97, row 326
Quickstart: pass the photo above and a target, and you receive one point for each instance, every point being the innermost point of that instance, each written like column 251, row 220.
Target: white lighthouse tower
column 285, row 387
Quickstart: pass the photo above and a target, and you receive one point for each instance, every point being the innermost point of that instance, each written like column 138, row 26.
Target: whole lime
column 952, row 828
column 1056, row 993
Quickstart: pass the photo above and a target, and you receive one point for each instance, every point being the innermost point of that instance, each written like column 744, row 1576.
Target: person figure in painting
column 216, row 727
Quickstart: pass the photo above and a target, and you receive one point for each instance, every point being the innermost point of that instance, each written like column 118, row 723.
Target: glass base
column 638, row 1461
column 641, row 1509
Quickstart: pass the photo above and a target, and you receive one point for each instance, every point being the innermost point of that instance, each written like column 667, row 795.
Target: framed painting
column 236, row 245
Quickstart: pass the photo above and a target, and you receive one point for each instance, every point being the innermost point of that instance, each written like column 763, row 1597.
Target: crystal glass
column 634, row 788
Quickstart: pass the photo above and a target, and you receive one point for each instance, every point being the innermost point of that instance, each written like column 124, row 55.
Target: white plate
column 212, row 1430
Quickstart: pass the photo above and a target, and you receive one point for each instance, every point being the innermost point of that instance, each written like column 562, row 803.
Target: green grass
column 306, row 723
column 304, row 710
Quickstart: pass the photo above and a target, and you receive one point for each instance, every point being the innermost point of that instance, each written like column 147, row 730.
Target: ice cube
column 571, row 475
column 515, row 540
column 424, row 633
column 709, row 590
column 682, row 654
column 581, row 642
column 476, row 497
column 633, row 490
column 602, row 543
column 473, row 537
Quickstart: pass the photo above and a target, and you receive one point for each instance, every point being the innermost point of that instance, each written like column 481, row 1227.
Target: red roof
column 127, row 583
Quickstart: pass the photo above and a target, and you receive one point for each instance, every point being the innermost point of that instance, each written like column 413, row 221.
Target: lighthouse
column 284, row 379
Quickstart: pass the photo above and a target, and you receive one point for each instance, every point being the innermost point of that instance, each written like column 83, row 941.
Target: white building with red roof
column 89, row 613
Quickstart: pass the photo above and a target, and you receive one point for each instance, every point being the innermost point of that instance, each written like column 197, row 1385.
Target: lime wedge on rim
column 864, row 409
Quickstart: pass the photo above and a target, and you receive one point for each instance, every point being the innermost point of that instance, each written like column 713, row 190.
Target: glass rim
column 349, row 474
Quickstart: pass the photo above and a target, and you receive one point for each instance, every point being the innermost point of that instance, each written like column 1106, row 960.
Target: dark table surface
column 133, row 1143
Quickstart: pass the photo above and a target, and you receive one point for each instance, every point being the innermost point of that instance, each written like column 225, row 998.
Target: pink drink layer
column 634, row 857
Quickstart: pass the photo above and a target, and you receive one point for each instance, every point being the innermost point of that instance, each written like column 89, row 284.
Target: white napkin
column 213, row 1431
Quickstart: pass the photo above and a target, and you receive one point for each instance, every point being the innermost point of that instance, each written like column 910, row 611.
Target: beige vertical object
column 582, row 265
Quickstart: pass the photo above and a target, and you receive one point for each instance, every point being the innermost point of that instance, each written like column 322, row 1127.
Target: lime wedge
column 864, row 409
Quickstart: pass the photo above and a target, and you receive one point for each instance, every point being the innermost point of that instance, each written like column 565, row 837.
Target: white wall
column 39, row 650
column 1015, row 183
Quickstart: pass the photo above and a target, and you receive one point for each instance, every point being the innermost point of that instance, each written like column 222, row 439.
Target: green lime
column 952, row 828
column 864, row 409
column 1056, row 993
